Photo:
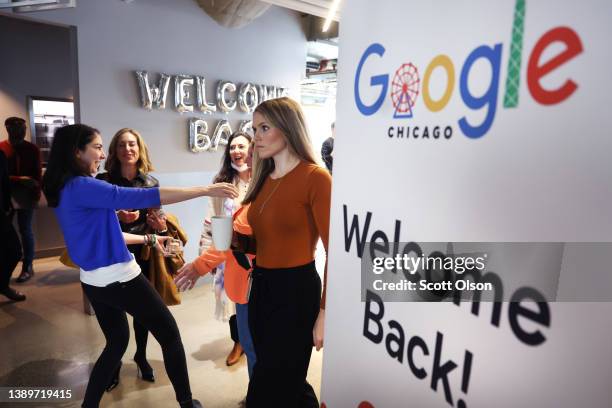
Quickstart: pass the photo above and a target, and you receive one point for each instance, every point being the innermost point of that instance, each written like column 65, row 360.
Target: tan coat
column 163, row 269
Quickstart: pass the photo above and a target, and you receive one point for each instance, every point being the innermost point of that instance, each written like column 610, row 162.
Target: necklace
column 270, row 195
column 280, row 180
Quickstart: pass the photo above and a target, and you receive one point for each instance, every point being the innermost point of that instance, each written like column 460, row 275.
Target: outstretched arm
column 171, row 195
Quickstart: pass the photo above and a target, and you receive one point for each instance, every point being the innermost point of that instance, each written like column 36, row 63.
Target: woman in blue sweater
column 111, row 278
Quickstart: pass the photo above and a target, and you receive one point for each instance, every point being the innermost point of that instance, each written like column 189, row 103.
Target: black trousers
column 10, row 252
column 283, row 307
column 138, row 298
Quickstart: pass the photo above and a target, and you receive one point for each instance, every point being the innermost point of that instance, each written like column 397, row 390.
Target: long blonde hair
column 286, row 115
column 112, row 164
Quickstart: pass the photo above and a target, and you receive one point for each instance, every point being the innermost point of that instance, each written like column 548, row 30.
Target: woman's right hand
column 186, row 277
column 128, row 217
column 222, row 190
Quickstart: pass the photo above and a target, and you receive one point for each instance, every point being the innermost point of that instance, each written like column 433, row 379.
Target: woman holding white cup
column 235, row 170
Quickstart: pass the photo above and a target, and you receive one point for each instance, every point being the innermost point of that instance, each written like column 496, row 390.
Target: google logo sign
column 404, row 86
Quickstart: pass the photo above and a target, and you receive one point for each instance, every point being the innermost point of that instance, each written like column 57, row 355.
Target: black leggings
column 283, row 307
column 141, row 334
column 138, row 298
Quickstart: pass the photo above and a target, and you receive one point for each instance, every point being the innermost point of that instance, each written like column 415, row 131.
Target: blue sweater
column 86, row 214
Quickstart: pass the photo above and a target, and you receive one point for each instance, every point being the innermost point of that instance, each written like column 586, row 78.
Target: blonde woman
column 289, row 201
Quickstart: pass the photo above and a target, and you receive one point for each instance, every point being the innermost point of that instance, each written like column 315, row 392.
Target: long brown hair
column 286, row 115
column 227, row 173
column 113, row 166
column 63, row 164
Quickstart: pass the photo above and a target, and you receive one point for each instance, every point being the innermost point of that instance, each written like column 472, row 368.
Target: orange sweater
column 289, row 215
column 236, row 277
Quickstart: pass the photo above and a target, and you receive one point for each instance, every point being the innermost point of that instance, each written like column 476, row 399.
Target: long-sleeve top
column 23, row 160
column 289, row 215
column 5, row 188
column 236, row 276
column 86, row 214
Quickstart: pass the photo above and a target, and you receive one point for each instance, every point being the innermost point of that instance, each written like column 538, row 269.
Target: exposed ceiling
column 227, row 12
column 238, row 13
column 319, row 8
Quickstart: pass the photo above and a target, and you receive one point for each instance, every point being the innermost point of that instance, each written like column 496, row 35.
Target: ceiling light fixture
column 332, row 12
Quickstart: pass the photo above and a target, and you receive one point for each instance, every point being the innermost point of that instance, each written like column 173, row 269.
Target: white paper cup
column 222, row 231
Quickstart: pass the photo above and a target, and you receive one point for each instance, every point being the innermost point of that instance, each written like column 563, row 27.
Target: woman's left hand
column 186, row 277
column 317, row 331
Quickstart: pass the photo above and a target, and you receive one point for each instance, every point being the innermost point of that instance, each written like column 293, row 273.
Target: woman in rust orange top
column 289, row 200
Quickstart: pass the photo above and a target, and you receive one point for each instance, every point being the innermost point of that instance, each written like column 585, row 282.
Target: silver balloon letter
column 248, row 98
column 222, row 88
column 280, row 92
column 152, row 95
column 181, row 94
column 246, row 126
column 199, row 141
column 203, row 105
column 266, row 93
column 222, row 132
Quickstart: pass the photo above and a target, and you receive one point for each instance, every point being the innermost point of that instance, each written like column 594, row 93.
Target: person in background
column 289, row 209
column 327, row 149
column 128, row 165
column 25, row 175
column 10, row 251
column 110, row 277
column 234, row 169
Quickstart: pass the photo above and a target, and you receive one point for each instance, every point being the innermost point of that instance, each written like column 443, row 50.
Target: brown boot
column 234, row 356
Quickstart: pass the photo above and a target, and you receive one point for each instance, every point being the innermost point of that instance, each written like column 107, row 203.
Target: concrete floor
column 48, row 341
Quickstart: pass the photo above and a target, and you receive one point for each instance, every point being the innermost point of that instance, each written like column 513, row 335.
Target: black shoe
column 12, row 294
column 26, row 274
column 115, row 381
column 145, row 371
column 194, row 403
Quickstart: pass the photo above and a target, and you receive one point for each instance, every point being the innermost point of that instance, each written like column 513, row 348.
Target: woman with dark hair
column 289, row 201
column 128, row 165
column 234, row 169
column 110, row 277
column 237, row 267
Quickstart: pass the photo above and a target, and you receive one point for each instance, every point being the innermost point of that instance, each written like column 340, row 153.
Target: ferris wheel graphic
column 404, row 90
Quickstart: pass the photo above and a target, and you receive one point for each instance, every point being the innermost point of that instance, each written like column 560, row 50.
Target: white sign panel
column 470, row 121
